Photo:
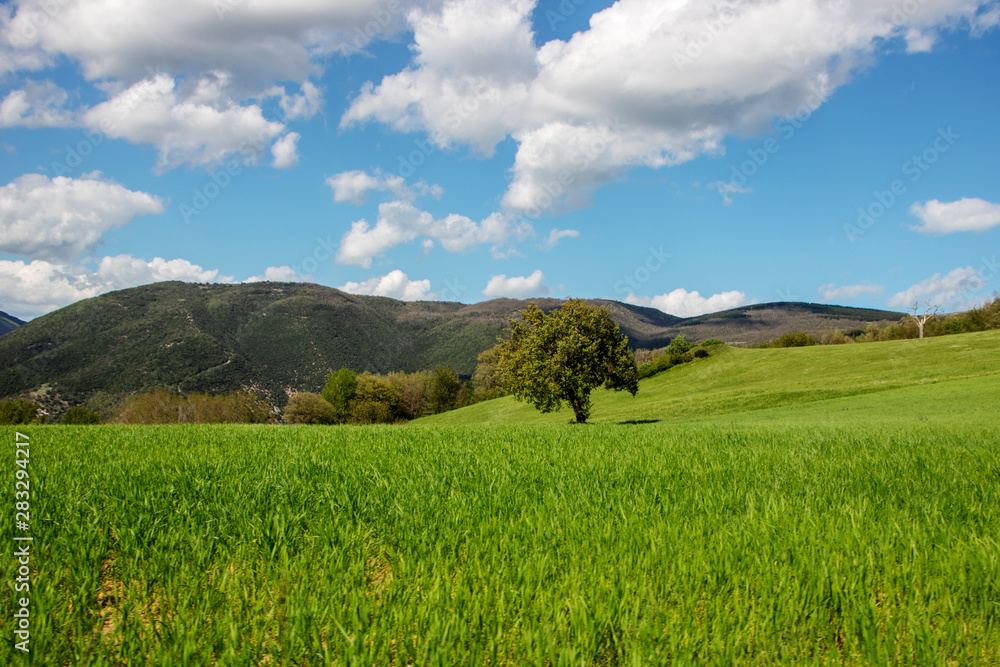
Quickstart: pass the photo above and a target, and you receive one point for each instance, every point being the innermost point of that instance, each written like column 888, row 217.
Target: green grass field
column 944, row 379
column 820, row 506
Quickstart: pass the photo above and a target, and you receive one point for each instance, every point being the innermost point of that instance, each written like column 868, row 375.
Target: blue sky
column 683, row 155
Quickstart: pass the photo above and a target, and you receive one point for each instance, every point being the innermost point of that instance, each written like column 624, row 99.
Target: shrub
column 376, row 400
column 78, row 416
column 711, row 342
column 19, row 412
column 339, row 391
column 308, row 408
column 678, row 346
column 701, row 353
column 163, row 407
column 796, row 339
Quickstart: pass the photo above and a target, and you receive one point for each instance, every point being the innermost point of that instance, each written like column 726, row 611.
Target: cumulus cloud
column 682, row 303
column 29, row 289
column 61, row 218
column 284, row 151
column 964, row 215
column 956, row 290
column 849, row 292
column 517, row 287
column 353, row 186
column 648, row 84
column 394, row 284
column 37, row 104
column 401, row 222
column 201, row 127
column 305, row 105
column 259, row 41
column 276, row 274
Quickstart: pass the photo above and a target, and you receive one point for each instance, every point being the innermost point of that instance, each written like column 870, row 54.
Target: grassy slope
column 899, row 382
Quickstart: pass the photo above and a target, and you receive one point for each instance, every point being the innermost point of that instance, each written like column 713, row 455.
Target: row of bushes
column 680, row 351
column 983, row 318
column 349, row 398
column 15, row 413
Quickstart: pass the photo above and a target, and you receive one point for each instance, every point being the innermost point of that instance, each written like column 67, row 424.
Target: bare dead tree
column 929, row 312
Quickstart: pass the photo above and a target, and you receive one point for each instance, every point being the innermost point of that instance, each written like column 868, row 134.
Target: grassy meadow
column 813, row 506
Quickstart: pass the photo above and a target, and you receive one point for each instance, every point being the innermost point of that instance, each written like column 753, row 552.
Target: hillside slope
column 274, row 338
column 944, row 378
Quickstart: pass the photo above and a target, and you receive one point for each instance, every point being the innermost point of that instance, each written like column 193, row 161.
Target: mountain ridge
column 277, row 338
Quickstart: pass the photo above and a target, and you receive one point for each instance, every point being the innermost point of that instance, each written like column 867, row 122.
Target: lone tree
column 929, row 312
column 564, row 355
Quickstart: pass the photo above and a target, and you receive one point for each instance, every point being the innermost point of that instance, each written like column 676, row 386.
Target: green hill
column 910, row 381
column 8, row 323
column 275, row 338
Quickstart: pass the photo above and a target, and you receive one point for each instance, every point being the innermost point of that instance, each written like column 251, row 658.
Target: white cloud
column 401, row 222
column 29, row 289
column 557, row 235
column 964, row 215
column 257, row 40
column 61, row 218
column 682, row 303
column 36, row 105
column 647, row 84
column 202, row 127
column 394, row 284
column 849, row 292
column 353, row 186
column 517, row 287
column 123, row 271
column 952, row 292
column 284, row 151
column 305, row 105
column 276, row 274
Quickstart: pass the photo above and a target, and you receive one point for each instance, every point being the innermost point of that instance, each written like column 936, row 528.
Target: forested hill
column 274, row 338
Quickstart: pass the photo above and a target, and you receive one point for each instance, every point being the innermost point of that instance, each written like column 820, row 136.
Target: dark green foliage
column 80, row 417
column 678, row 346
column 339, row 390
column 376, row 401
column 711, row 342
column 308, row 408
column 444, row 389
column 563, row 356
column 19, row 412
column 701, row 353
column 794, row 339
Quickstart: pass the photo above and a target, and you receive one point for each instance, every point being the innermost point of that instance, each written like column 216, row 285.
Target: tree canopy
column 563, row 356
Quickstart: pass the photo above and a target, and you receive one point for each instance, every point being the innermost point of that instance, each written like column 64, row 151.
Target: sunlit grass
column 645, row 544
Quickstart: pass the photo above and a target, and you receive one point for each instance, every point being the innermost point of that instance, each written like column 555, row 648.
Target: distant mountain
column 8, row 323
column 274, row 338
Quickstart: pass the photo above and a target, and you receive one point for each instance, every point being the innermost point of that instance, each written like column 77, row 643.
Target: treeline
column 367, row 398
column 983, row 318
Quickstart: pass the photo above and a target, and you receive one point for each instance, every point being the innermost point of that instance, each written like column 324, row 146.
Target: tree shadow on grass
column 641, row 421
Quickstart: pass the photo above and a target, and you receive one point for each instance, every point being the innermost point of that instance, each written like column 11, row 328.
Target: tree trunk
column 578, row 410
